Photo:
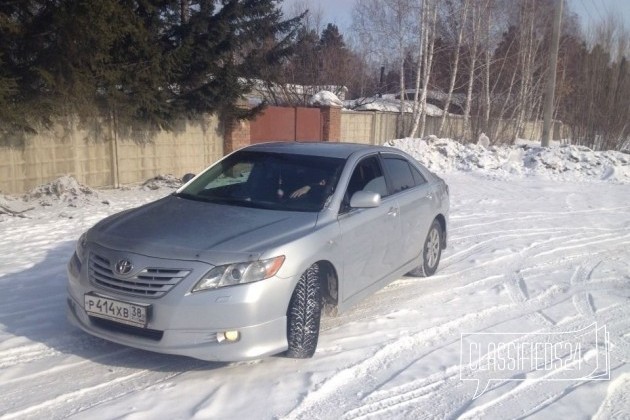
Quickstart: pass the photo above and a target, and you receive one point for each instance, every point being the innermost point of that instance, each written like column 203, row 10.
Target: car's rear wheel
column 431, row 252
column 303, row 315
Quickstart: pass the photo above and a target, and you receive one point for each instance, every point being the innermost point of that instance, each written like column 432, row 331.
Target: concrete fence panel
column 190, row 148
column 357, row 127
column 66, row 148
column 385, row 127
column 95, row 156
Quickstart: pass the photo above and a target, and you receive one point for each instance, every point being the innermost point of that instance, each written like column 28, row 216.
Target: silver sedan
column 238, row 263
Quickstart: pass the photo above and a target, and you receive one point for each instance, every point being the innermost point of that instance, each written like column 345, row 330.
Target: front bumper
column 189, row 324
column 255, row 341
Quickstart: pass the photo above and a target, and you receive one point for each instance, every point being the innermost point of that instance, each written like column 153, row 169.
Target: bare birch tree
column 473, row 49
column 461, row 17
column 487, row 54
column 387, row 25
column 428, row 45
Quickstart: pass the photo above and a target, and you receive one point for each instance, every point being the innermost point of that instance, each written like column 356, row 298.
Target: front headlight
column 239, row 273
column 80, row 249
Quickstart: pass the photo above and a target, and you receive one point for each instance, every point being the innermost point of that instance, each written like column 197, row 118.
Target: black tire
column 431, row 252
column 304, row 314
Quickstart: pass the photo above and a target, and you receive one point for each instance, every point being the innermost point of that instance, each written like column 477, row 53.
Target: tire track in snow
column 367, row 375
column 390, row 298
column 68, row 390
column 521, row 301
column 516, row 287
column 23, row 354
column 546, row 251
column 510, row 404
column 72, row 402
column 527, row 217
column 325, row 402
column 615, row 239
column 445, row 393
column 600, row 210
column 579, row 231
column 482, row 247
column 57, row 367
column 582, row 301
column 512, row 280
column 50, row 347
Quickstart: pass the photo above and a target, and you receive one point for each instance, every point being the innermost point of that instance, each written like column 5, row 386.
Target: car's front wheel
column 431, row 252
column 303, row 315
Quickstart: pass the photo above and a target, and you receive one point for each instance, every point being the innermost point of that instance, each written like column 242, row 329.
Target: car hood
column 179, row 228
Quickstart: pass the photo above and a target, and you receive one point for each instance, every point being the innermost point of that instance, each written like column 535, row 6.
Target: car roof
column 326, row 149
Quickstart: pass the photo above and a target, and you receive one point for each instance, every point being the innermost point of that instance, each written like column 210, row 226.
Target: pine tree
column 15, row 80
column 151, row 61
column 222, row 49
column 332, row 38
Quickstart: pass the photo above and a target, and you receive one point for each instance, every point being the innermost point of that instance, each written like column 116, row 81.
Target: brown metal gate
column 286, row 124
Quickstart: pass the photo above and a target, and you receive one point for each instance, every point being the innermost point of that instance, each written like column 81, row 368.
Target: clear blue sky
column 339, row 12
column 596, row 10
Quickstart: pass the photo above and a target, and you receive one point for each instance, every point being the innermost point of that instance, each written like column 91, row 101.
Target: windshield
column 274, row 181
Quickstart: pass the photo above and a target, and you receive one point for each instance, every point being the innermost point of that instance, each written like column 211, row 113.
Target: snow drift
column 559, row 162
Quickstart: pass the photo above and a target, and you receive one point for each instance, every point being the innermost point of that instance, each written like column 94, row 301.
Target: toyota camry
column 240, row 261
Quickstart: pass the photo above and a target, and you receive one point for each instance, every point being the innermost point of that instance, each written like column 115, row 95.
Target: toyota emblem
column 123, row 267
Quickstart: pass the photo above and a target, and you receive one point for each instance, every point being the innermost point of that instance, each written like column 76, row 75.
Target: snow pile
column 563, row 162
column 325, row 98
column 483, row 140
column 162, row 181
column 65, row 190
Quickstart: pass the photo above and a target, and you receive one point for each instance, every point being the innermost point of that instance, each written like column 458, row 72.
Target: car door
column 413, row 195
column 366, row 233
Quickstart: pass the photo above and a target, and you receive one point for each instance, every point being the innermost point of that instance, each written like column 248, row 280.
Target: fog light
column 229, row 336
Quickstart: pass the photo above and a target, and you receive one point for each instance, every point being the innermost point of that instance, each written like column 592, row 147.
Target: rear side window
column 417, row 176
column 401, row 173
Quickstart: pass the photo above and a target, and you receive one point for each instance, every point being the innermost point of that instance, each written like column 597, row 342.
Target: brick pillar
column 237, row 135
column 331, row 123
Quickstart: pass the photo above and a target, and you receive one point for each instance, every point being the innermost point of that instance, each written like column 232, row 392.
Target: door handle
column 393, row 211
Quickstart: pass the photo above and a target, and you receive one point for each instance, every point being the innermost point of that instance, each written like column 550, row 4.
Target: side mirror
column 365, row 199
column 187, row 178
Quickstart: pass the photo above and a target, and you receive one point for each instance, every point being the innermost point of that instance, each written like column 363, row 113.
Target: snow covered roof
column 289, row 93
column 387, row 105
column 438, row 95
column 325, row 98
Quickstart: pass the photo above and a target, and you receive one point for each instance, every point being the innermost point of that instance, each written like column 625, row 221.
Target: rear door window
column 400, row 173
column 417, row 176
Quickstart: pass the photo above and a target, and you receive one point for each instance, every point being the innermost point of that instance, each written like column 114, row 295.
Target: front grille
column 106, row 324
column 150, row 282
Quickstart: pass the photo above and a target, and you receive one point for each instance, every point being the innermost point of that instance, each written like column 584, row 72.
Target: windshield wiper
column 192, row 197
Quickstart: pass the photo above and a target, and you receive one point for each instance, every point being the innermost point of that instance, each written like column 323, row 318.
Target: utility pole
column 551, row 79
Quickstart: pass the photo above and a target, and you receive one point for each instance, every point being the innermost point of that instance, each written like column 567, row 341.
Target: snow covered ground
column 532, row 253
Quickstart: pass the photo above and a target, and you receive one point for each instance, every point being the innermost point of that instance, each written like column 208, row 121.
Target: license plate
column 115, row 310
